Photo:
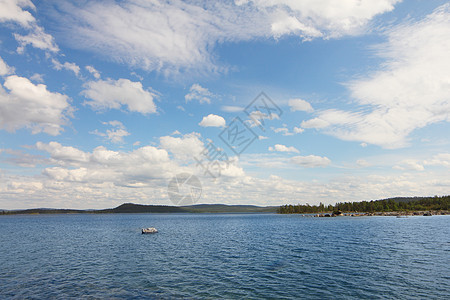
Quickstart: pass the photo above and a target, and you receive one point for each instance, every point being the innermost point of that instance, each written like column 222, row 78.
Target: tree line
column 385, row 205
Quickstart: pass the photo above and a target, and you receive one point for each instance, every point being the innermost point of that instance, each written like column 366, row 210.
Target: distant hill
column 391, row 204
column 140, row 208
column 42, row 211
column 223, row 208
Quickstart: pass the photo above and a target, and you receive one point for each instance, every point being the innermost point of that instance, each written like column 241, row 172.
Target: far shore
column 387, row 214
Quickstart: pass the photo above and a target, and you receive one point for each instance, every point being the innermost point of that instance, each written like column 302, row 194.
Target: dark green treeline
column 386, row 205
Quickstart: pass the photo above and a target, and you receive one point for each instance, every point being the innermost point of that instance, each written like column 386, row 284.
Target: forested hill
column 385, row 205
column 140, row 208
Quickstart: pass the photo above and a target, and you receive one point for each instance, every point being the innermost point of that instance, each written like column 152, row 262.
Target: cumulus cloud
column 311, row 161
column 441, row 159
column 300, row 105
column 298, row 130
column 63, row 154
column 181, row 35
column 183, row 148
column 113, row 94
column 4, row 68
column 212, row 120
column 103, row 171
column 114, row 135
column 103, row 165
column 32, row 106
column 409, row 164
column 199, row 93
column 283, row 148
column 410, row 92
column 13, row 11
column 110, row 178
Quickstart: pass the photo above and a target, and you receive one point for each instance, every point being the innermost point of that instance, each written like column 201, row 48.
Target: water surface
column 224, row 255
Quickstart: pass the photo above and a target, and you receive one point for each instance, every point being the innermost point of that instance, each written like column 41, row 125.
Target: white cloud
column 410, row 92
column 32, row 106
column 212, row 120
column 232, row 109
column 179, row 35
column 298, row 130
column 13, row 11
column 67, row 66
column 142, row 175
column 38, row 39
column 441, row 159
column 257, row 117
column 37, row 77
column 63, row 154
column 285, row 24
column 94, row 72
column 300, row 105
column 103, row 165
column 285, row 131
column 310, row 18
column 113, row 94
column 315, row 123
column 4, row 68
column 311, row 161
column 409, row 164
column 183, row 148
column 362, row 163
column 199, row 93
column 283, row 148
column 114, row 135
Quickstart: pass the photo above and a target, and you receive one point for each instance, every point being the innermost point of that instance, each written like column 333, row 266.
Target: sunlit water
column 224, row 256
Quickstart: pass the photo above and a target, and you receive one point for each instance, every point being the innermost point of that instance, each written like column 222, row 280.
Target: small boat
column 149, row 230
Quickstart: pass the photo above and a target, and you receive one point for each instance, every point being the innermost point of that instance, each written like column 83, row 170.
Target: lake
column 224, row 256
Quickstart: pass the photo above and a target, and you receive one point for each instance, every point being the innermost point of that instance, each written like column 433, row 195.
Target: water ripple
column 223, row 256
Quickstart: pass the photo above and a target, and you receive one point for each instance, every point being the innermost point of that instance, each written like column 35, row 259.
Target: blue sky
column 103, row 102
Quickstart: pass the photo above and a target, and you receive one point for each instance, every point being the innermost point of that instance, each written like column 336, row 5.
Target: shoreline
column 384, row 214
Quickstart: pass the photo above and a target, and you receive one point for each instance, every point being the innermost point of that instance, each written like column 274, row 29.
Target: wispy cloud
column 199, row 93
column 410, row 92
column 180, row 35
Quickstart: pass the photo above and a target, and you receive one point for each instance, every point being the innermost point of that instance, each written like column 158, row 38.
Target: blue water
column 224, row 256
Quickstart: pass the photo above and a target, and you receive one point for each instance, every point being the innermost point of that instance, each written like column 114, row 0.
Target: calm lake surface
column 224, row 256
